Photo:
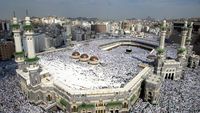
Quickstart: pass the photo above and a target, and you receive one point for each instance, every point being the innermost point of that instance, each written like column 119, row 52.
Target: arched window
column 116, row 111
column 172, row 77
column 125, row 105
column 166, row 75
column 49, row 98
column 100, row 103
column 74, row 109
column 169, row 77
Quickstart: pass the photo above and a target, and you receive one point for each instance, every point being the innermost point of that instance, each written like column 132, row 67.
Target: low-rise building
column 7, row 49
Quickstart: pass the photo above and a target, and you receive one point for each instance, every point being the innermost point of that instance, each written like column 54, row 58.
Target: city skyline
column 103, row 9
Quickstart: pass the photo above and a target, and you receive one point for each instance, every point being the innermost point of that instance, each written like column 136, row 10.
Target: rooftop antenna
column 26, row 12
column 14, row 13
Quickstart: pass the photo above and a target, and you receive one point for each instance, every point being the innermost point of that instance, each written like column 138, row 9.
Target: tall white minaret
column 33, row 68
column 182, row 50
column 16, row 34
column 189, row 38
column 19, row 54
column 28, row 32
column 161, row 50
column 184, row 35
column 163, row 35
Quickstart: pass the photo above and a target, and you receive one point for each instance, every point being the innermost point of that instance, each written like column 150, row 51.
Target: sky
column 103, row 9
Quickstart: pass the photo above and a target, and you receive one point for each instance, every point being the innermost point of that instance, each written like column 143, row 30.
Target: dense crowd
column 113, row 71
column 12, row 99
column 181, row 96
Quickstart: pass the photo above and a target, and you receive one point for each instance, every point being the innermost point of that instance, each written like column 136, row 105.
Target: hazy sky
column 105, row 9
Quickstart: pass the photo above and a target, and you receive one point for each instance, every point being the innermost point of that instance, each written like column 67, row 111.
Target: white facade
column 24, row 44
column 30, row 45
column 147, row 28
column 108, row 27
column 27, row 21
column 18, row 43
column 53, row 20
column 138, row 27
column 115, row 28
column 86, row 24
column 133, row 28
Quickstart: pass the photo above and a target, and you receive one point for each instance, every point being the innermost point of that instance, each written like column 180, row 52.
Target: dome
column 94, row 60
column 84, row 57
column 75, row 55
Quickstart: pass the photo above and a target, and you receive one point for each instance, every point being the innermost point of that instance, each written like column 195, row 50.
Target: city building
column 7, row 49
column 68, row 34
column 98, row 28
column 5, row 25
column 53, row 20
column 42, row 42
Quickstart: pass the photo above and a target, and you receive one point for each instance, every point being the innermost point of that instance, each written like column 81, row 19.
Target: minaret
column 189, row 38
column 19, row 54
column 189, row 47
column 163, row 35
column 184, row 35
column 33, row 67
column 182, row 50
column 28, row 31
column 161, row 49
